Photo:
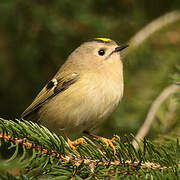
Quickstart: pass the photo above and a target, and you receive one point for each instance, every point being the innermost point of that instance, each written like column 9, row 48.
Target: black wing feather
column 57, row 90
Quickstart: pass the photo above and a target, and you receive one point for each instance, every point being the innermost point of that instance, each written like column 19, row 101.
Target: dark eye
column 101, row 52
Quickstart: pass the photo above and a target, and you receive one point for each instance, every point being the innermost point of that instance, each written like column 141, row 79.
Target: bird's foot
column 65, row 158
column 72, row 144
column 109, row 142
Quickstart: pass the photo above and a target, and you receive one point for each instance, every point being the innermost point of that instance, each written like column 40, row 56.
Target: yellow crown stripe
column 104, row 39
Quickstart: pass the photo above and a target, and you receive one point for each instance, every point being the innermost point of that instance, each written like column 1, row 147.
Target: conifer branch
column 38, row 152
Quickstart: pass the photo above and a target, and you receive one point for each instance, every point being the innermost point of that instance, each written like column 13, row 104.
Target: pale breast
column 83, row 106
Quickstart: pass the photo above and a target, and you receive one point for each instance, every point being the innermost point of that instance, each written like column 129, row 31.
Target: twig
column 150, row 28
column 152, row 112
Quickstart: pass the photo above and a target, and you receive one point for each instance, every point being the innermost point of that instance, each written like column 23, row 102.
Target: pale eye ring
column 101, row 52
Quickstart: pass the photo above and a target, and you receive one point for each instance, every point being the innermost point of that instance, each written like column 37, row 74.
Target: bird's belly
column 81, row 109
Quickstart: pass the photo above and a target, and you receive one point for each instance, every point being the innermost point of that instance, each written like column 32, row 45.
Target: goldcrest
column 84, row 92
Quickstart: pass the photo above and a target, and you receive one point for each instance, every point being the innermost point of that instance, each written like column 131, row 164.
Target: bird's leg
column 72, row 144
column 108, row 142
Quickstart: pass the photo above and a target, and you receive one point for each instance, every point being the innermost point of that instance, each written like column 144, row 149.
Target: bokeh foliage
column 37, row 36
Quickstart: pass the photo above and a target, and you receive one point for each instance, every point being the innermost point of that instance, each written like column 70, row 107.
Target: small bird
column 84, row 92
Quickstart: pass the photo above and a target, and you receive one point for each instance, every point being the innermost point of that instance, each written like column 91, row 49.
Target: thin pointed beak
column 120, row 48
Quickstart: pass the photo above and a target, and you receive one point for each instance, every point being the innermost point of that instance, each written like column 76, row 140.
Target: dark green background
column 37, row 36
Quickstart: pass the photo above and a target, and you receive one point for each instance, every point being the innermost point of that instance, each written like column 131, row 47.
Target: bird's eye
column 101, row 52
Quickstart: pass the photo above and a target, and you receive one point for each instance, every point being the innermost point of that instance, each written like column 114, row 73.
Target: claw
column 72, row 144
column 109, row 142
column 65, row 158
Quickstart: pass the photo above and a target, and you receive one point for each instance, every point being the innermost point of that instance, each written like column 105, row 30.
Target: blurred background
column 37, row 36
